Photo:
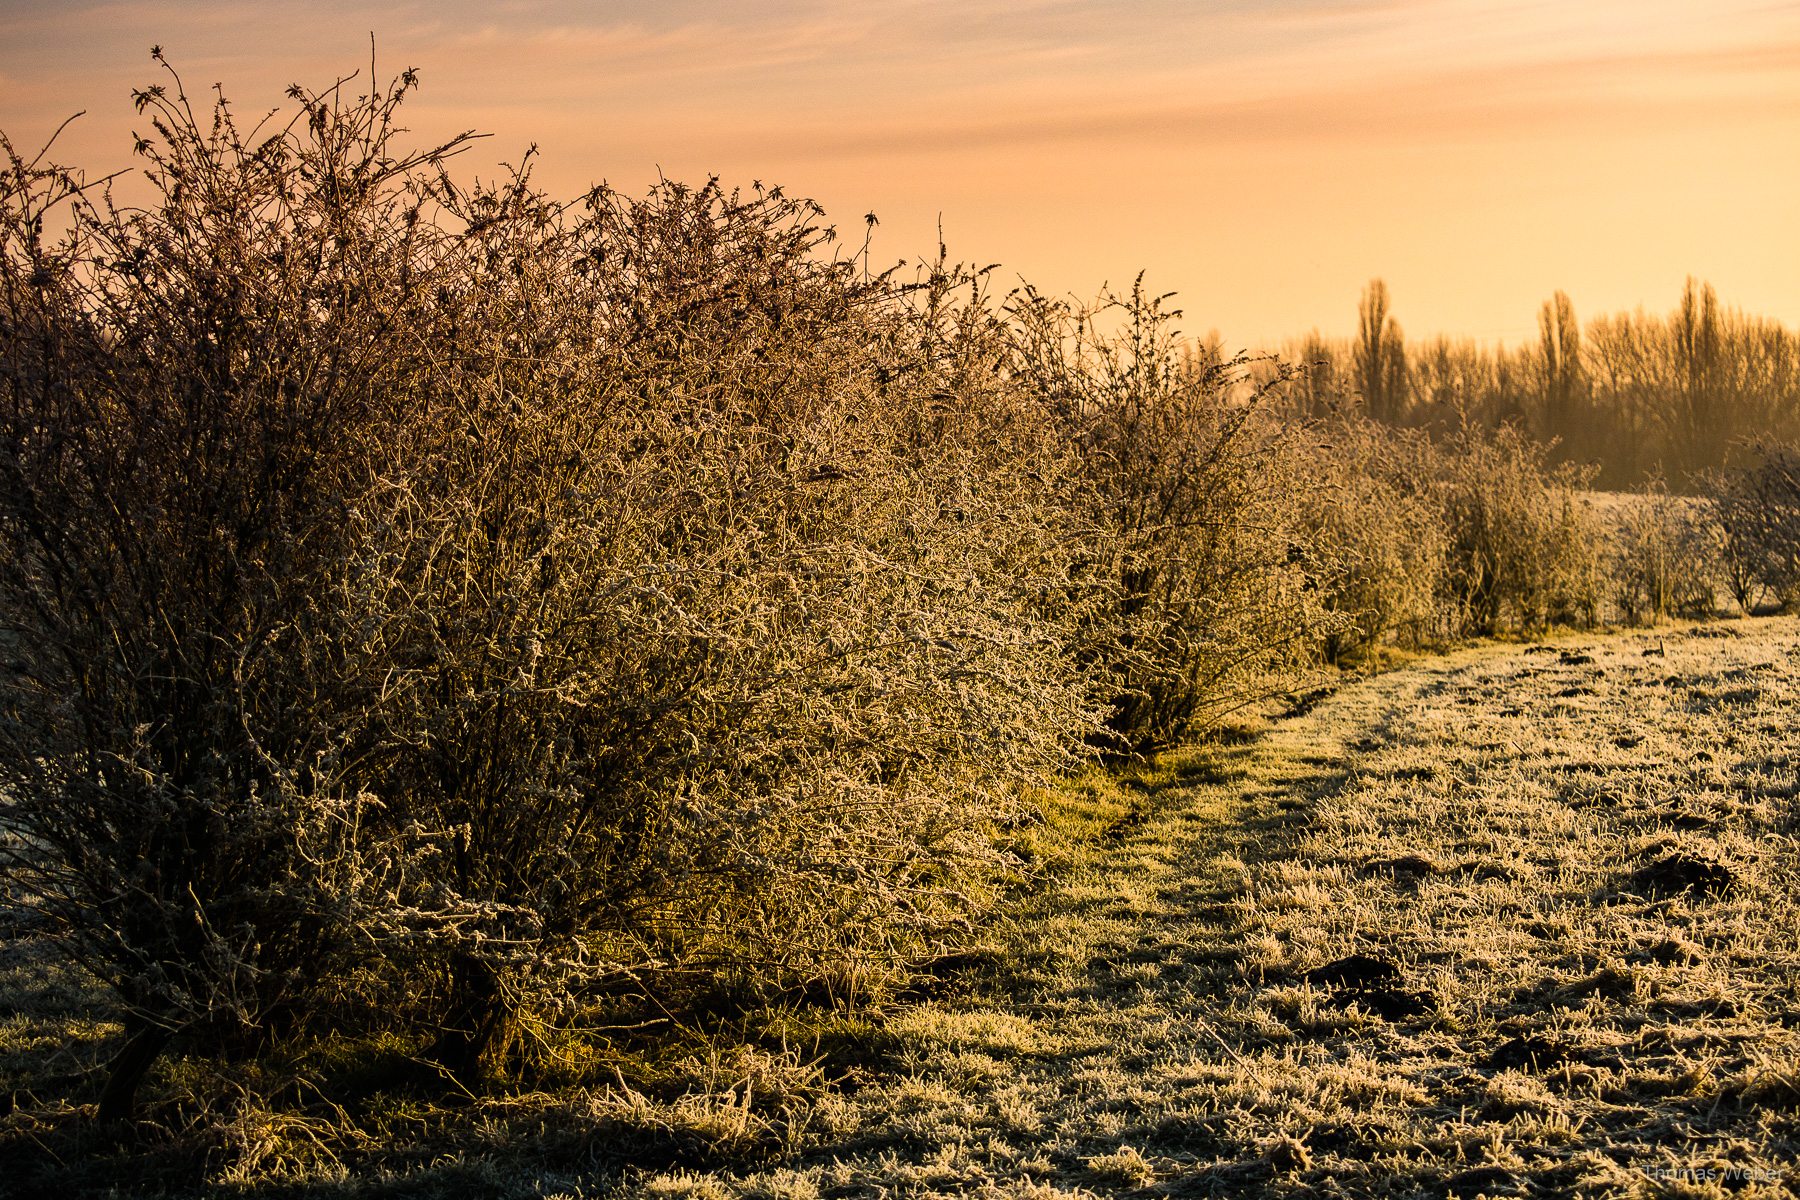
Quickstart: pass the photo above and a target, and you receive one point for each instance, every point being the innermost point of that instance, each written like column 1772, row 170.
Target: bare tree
column 1380, row 357
column 1696, row 433
column 1559, row 350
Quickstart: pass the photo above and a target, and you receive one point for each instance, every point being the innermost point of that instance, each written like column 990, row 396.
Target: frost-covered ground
column 1520, row 921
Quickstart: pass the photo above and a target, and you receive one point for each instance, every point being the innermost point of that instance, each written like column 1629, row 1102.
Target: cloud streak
column 925, row 62
column 1563, row 135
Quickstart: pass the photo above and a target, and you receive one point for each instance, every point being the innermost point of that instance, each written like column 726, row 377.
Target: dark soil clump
column 1357, row 971
column 1679, row 873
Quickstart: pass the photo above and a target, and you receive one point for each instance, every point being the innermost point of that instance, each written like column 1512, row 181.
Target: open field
column 1515, row 921
column 1563, row 880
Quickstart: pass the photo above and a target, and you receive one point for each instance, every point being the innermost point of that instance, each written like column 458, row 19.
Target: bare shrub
column 1756, row 510
column 1196, row 506
column 187, row 390
column 1379, row 538
column 1665, row 554
column 1466, row 534
column 1520, row 552
column 1740, row 559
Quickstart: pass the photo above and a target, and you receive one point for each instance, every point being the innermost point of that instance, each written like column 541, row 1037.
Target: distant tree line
column 1638, row 395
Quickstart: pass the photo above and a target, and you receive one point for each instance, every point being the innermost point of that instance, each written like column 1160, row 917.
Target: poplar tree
column 1380, row 357
column 1559, row 341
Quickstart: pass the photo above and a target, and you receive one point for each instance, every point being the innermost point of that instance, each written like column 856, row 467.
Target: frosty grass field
column 1515, row 921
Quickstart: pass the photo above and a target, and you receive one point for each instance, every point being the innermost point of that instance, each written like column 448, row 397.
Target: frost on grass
column 1510, row 922
column 1513, row 922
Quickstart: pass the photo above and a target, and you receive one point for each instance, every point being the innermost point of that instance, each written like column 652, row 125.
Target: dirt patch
column 1531, row 1054
column 1356, row 971
column 1675, row 874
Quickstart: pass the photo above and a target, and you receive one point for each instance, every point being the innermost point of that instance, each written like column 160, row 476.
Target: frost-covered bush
column 188, row 391
column 1467, row 534
column 1521, row 553
column 1196, row 499
column 1378, row 535
column 721, row 658
column 439, row 584
column 1754, row 510
column 1666, row 554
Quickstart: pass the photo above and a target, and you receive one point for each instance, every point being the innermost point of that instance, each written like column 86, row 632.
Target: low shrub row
column 1434, row 541
column 1430, row 541
column 449, row 605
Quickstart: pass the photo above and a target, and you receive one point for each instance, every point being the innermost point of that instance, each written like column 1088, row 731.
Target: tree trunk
column 477, row 1019
column 119, row 1101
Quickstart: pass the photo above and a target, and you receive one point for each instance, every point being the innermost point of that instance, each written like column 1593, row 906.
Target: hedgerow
column 443, row 593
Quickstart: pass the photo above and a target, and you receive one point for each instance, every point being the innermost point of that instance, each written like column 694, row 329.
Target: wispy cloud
column 1040, row 69
column 1388, row 135
column 941, row 59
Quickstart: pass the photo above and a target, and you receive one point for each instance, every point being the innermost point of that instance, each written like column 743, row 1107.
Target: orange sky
column 1262, row 158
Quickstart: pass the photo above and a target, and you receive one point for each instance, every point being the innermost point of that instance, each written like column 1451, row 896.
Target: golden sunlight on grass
column 1415, row 942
